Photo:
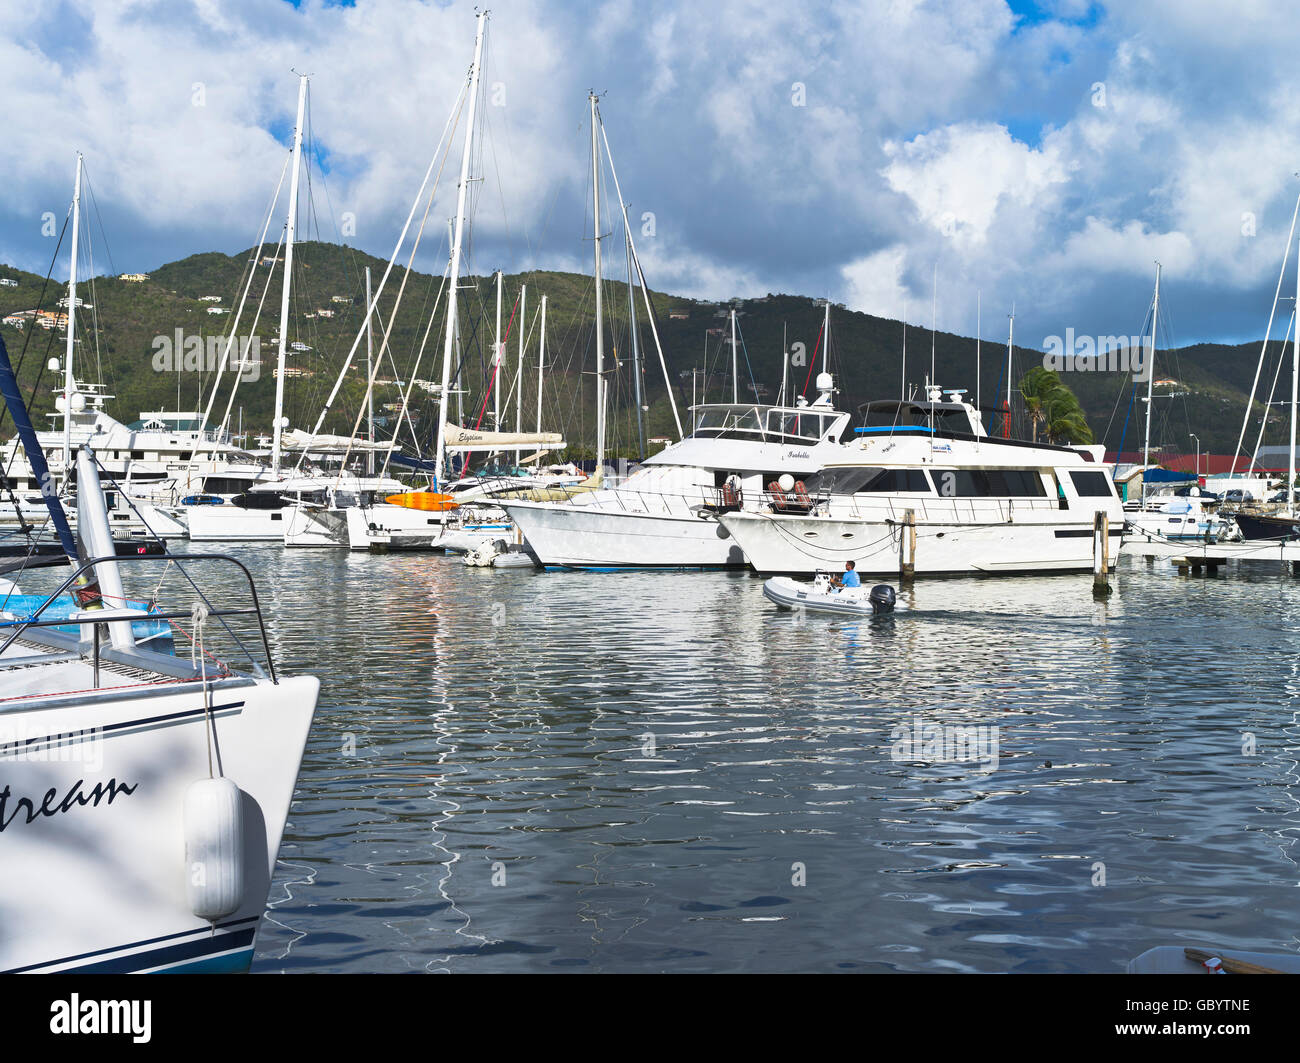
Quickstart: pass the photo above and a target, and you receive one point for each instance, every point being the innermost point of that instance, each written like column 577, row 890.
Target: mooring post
column 1101, row 555
column 907, row 547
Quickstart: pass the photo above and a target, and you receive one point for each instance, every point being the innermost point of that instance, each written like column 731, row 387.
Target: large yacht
column 924, row 484
column 665, row 514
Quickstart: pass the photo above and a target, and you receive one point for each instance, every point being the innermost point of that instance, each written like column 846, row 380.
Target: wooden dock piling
column 907, row 547
column 1101, row 555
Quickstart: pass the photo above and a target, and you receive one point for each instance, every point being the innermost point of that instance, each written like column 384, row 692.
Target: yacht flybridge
column 665, row 515
column 924, row 484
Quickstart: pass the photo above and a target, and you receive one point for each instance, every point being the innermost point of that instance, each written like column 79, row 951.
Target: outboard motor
column 882, row 598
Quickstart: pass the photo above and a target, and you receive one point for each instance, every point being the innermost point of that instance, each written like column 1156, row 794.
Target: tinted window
column 990, row 483
column 1092, row 484
column 851, row 481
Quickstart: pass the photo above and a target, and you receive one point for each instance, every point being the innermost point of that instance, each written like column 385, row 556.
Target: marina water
column 519, row 771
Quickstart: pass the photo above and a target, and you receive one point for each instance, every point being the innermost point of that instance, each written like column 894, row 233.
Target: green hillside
column 118, row 343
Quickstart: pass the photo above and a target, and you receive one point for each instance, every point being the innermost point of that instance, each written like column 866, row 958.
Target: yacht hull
column 778, row 545
column 586, row 536
column 92, row 792
column 229, row 524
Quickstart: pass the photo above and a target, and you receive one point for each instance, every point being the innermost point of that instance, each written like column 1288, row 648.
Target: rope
column 199, row 616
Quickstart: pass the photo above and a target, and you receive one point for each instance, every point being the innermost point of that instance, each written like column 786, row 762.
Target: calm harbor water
column 518, row 771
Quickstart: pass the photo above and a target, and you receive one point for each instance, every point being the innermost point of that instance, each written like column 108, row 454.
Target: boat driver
column 850, row 577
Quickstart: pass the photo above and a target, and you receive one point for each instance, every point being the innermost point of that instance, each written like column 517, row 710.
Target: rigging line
column 224, row 428
column 247, row 284
column 40, row 302
column 1259, row 442
column 405, row 413
column 812, row 362
column 1286, row 251
column 444, row 139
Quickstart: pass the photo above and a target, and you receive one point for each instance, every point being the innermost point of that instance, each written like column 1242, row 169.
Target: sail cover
column 466, row 439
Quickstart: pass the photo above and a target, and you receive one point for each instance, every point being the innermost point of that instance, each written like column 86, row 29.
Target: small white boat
column 498, row 553
column 821, row 596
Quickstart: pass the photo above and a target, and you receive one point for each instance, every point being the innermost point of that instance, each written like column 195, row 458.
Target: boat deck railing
column 15, row 629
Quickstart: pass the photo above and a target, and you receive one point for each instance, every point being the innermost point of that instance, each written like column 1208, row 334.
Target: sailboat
column 143, row 794
column 1281, row 526
column 665, row 514
column 134, row 459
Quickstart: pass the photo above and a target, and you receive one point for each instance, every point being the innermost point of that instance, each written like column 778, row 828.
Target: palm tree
column 1053, row 407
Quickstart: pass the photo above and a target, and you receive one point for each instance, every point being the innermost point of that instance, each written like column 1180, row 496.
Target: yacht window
column 137, row 455
column 874, row 480
column 1092, row 484
column 990, row 483
column 797, row 423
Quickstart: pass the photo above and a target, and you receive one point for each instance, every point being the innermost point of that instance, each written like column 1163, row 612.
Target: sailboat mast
column 785, row 360
column 977, row 350
column 541, row 366
column 1011, row 346
column 519, row 372
column 370, row 390
column 1151, row 376
column 636, row 354
column 286, row 279
column 456, row 242
column 68, row 380
column 600, row 310
column 1295, row 395
column 735, row 361
column 496, row 363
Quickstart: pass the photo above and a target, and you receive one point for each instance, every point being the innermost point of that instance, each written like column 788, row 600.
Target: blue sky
column 1042, row 153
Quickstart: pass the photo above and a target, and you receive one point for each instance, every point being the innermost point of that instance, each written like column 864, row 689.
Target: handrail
column 256, row 609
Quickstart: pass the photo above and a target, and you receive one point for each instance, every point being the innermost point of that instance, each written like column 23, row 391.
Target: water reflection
column 526, row 771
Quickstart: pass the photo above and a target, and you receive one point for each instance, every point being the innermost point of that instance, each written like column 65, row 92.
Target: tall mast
column 519, row 371
column 456, row 242
column 785, row 360
column 600, row 310
column 286, row 278
column 370, row 391
column 636, row 356
column 735, row 362
column 68, row 381
column 541, row 366
column 1151, row 376
column 1011, row 346
column 904, row 395
column 978, row 297
column 496, row 362
column 1295, row 395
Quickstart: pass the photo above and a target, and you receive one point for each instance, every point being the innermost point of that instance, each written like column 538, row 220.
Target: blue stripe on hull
column 160, row 955
column 188, row 956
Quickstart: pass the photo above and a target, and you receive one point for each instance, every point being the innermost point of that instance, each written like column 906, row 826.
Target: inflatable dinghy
column 821, row 596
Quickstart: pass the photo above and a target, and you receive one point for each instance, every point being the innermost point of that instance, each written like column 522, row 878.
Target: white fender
column 214, row 848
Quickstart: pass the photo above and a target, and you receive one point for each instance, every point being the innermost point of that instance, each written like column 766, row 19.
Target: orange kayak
column 430, row 501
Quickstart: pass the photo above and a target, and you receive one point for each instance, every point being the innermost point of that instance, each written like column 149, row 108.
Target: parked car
column 1238, row 496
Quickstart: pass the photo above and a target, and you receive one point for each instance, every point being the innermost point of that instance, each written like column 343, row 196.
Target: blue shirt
column 850, row 579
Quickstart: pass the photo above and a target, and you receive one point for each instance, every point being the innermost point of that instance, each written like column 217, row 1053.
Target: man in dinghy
column 849, row 579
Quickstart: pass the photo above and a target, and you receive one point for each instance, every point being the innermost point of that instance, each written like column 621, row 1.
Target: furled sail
column 467, row 439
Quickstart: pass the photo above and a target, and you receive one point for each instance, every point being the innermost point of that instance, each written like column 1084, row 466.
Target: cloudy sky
column 1043, row 153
